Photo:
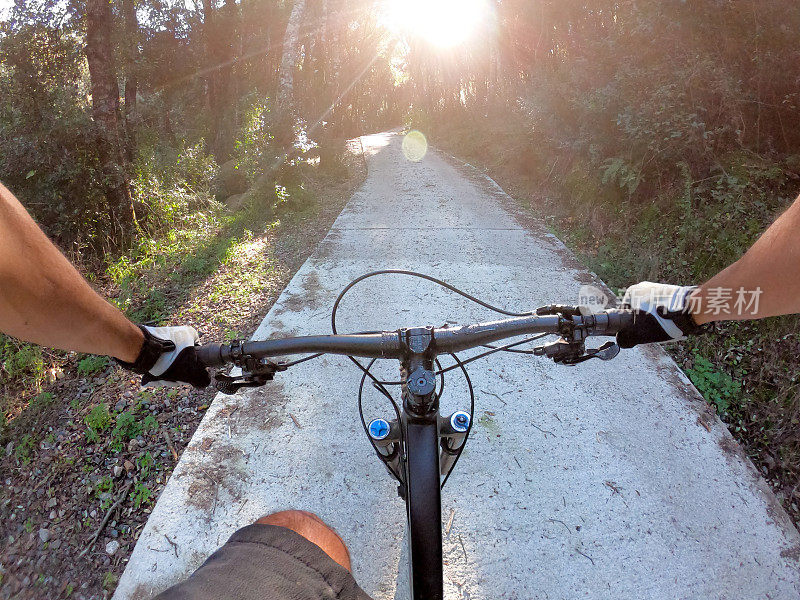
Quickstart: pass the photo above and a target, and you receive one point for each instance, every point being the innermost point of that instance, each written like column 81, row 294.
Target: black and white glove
column 168, row 356
column 661, row 314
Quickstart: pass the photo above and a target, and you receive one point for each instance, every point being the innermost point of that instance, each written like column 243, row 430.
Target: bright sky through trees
column 444, row 23
column 5, row 8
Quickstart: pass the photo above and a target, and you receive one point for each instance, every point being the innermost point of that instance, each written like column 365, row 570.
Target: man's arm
column 44, row 300
column 763, row 283
column 771, row 265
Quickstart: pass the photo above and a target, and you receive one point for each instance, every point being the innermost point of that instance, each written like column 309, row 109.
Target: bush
column 18, row 359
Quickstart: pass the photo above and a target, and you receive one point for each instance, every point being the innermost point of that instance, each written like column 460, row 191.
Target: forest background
column 158, row 140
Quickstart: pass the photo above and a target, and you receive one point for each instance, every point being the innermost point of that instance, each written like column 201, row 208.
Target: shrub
column 18, row 359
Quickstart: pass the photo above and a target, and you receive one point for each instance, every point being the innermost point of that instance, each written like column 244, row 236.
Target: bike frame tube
column 420, row 423
column 423, row 506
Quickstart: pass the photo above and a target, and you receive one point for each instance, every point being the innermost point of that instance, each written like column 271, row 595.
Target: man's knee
column 314, row 529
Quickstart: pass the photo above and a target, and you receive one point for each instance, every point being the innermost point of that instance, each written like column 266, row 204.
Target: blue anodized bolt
column 459, row 421
column 378, row 429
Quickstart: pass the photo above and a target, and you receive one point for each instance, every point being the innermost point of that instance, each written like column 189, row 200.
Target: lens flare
column 444, row 23
column 415, row 146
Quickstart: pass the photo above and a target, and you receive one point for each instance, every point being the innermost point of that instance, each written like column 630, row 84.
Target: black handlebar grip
column 210, row 355
column 619, row 319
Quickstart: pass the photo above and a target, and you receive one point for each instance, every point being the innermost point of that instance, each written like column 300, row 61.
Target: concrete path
column 606, row 480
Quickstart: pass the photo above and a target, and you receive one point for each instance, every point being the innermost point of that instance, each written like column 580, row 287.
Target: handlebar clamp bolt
column 421, row 382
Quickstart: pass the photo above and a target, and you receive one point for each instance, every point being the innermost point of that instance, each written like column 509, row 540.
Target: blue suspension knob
column 378, row 429
column 459, row 421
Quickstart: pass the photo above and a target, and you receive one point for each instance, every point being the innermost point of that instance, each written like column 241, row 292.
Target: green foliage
column 46, row 133
column 172, row 182
column 145, row 463
column 91, row 365
column 624, row 174
column 24, row 449
column 18, row 359
column 231, row 335
column 28, row 525
column 126, row 427
column 103, row 490
column 110, row 581
column 149, row 423
column 43, row 400
column 141, row 495
column 716, row 386
column 97, row 421
column 254, row 141
column 169, row 263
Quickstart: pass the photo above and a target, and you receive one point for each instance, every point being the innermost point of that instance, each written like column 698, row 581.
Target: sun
column 444, row 23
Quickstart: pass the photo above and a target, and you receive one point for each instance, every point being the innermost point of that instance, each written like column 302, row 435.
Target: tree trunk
column 212, row 87
column 285, row 94
column 227, row 32
column 131, row 75
column 105, row 111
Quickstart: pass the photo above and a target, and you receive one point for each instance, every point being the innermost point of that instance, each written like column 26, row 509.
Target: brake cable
column 471, row 418
column 432, row 279
column 380, row 385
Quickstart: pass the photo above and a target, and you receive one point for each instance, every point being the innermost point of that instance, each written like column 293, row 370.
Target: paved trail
column 607, row 480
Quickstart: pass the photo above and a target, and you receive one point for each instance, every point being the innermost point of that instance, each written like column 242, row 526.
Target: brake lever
column 571, row 353
column 607, row 351
column 258, row 373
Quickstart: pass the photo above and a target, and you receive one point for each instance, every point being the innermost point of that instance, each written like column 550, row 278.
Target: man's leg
column 287, row 555
column 314, row 529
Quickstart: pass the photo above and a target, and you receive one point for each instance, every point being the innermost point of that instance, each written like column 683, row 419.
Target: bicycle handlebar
column 390, row 344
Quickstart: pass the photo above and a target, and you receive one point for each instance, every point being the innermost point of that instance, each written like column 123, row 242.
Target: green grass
column 92, row 365
column 163, row 270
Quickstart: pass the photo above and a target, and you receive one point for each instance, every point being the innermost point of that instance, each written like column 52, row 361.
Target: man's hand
column 661, row 314
column 168, row 356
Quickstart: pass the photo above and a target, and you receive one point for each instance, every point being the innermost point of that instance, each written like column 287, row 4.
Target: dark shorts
column 266, row 562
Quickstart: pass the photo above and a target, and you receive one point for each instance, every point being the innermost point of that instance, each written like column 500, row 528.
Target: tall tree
column 211, row 47
column 105, row 111
column 131, row 51
column 285, row 94
column 228, row 48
